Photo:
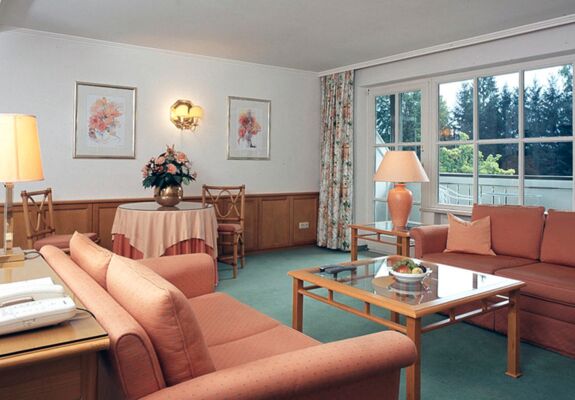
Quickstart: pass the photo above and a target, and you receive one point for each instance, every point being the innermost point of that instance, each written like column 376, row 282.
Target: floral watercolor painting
column 105, row 121
column 248, row 129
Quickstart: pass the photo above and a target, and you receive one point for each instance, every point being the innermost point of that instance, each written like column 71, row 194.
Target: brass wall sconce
column 186, row 115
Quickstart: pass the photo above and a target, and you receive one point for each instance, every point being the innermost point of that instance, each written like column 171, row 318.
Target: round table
column 146, row 229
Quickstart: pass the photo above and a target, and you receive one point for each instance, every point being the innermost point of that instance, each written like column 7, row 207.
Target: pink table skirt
column 123, row 248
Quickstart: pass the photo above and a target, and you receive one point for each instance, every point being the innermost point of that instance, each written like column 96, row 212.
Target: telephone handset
column 33, row 304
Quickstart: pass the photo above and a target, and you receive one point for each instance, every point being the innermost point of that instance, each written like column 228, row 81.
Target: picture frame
column 249, row 128
column 104, row 121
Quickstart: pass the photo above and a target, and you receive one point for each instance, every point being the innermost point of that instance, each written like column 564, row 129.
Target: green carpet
column 458, row 362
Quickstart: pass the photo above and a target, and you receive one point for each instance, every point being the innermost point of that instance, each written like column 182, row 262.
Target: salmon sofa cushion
column 515, row 230
column 469, row 237
column 92, row 258
column 558, row 238
column 166, row 316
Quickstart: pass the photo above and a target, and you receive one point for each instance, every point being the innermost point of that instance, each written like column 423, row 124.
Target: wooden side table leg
column 413, row 372
column 353, row 244
column 398, row 246
column 513, row 336
column 297, row 313
column 90, row 376
column 405, row 246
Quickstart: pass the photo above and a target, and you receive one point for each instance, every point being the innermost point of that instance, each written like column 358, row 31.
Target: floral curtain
column 336, row 183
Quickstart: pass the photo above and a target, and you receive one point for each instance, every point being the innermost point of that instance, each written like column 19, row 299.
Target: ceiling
column 313, row 35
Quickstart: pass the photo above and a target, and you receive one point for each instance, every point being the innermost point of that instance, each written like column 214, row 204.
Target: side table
column 374, row 231
column 55, row 362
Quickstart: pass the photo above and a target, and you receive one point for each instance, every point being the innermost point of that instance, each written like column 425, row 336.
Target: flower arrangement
column 249, row 127
column 171, row 168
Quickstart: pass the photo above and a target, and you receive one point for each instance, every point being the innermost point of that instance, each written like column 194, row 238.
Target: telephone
column 33, row 304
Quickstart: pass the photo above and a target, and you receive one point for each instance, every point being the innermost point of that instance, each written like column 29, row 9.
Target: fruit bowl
column 409, row 271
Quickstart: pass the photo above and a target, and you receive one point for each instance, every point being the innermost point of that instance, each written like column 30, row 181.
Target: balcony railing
column 549, row 191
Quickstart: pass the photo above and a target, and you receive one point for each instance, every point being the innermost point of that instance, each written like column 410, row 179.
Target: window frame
column 388, row 90
column 432, row 204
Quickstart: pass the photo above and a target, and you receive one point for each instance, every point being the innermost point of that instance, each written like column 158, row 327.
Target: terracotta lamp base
column 399, row 201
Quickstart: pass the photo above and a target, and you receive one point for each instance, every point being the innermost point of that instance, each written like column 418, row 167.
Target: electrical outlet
column 304, row 225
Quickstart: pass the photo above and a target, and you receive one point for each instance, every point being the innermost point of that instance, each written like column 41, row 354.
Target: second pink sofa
column 173, row 337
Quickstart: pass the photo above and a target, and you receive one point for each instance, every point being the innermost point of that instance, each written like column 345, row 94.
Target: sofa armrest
column 366, row 367
column 193, row 274
column 429, row 239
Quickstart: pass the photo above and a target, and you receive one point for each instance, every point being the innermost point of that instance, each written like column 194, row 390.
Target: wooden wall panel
column 271, row 220
column 304, row 211
column 251, row 224
column 275, row 227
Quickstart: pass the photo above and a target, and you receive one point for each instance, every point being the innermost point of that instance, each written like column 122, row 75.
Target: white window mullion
column 521, row 146
column 475, row 187
column 396, row 119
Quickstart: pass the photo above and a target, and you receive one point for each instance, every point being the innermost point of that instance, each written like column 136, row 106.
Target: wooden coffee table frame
column 508, row 296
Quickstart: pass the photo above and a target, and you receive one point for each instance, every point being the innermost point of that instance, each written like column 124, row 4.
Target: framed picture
column 248, row 129
column 105, row 121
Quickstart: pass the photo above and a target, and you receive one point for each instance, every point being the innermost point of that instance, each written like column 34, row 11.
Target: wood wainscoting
column 271, row 220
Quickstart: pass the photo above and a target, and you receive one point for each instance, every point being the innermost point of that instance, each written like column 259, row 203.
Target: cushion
column 549, row 282
column 217, row 315
column 475, row 262
column 515, row 230
column 278, row 340
column 229, row 228
column 469, row 237
column 165, row 315
column 558, row 238
column 60, row 241
column 90, row 257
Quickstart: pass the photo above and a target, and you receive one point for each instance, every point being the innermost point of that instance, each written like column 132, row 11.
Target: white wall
column 537, row 45
column 38, row 74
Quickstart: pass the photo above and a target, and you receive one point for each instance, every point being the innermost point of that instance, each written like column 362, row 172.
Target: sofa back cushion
column 131, row 352
column 90, row 257
column 166, row 316
column 558, row 238
column 515, row 230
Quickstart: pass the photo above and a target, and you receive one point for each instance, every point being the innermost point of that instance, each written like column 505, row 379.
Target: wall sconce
column 185, row 115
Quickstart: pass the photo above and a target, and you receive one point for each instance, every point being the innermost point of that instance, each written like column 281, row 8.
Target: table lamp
column 400, row 167
column 20, row 161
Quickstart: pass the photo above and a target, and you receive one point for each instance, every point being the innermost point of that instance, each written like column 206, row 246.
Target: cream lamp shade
column 20, row 158
column 20, row 161
column 400, row 167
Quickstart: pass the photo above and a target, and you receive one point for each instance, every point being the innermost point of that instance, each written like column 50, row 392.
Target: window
column 397, row 127
column 507, row 139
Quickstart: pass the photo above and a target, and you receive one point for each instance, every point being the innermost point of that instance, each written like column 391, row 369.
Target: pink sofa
column 531, row 247
column 173, row 337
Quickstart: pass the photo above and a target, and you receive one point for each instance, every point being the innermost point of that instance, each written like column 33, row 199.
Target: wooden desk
column 57, row 362
column 378, row 229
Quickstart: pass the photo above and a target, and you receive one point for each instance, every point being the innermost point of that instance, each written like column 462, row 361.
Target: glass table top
column 153, row 206
column 444, row 282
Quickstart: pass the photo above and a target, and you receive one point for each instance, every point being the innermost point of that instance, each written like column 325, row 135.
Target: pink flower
column 181, row 157
column 172, row 169
column 160, row 160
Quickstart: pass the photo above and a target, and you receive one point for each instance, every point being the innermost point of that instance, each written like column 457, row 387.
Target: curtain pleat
column 336, row 178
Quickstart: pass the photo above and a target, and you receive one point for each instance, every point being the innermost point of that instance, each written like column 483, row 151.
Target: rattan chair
column 228, row 202
column 39, row 221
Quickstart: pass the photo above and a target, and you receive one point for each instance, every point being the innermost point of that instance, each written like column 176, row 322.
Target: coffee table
column 445, row 290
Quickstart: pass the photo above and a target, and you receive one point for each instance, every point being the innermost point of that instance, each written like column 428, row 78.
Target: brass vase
column 168, row 196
